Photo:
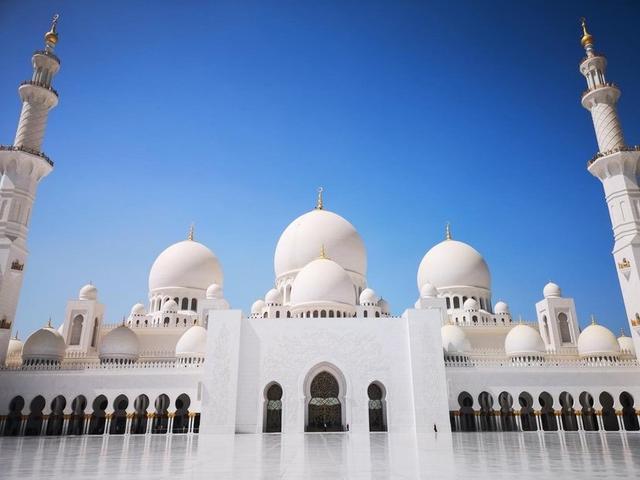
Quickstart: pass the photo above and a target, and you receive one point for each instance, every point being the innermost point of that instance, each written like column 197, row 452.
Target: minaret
column 617, row 166
column 22, row 166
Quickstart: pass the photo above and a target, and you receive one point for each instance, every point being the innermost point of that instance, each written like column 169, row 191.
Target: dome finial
column 593, row 319
column 123, row 320
column 49, row 322
column 447, row 231
column 587, row 38
column 520, row 319
column 51, row 37
column 319, row 205
column 191, row 230
column 323, row 254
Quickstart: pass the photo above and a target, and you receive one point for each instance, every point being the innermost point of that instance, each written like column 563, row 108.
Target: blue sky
column 231, row 114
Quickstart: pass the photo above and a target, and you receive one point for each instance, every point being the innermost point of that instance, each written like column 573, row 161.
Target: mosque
column 322, row 351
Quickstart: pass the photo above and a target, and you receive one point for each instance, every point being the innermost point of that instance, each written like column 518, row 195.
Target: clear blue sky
column 230, row 114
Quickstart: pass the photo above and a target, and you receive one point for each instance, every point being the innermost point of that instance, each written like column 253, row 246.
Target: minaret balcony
column 41, row 85
column 47, row 54
column 608, row 93
column 18, row 148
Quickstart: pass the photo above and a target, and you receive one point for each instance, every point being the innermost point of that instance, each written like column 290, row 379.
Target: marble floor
column 325, row 456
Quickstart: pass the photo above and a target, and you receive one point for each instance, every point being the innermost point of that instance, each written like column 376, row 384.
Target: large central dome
column 186, row 264
column 301, row 241
column 454, row 264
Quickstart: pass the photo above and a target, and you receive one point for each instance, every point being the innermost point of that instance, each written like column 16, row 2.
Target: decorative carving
column 624, row 264
column 636, row 321
column 16, row 265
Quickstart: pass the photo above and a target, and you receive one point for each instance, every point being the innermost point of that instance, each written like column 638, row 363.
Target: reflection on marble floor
column 337, row 455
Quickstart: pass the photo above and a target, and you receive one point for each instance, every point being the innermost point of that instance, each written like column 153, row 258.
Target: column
column 85, row 425
column 600, row 422
column 170, row 423
column 518, row 419
column 559, row 420
column 65, row 425
column 3, row 421
column 190, row 427
column 538, row 421
column 127, row 428
column 580, row 421
column 107, row 424
column 23, row 424
column 43, row 427
column 149, row 423
column 620, row 420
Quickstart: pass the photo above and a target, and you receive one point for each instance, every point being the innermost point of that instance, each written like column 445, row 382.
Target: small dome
column 523, row 340
column 170, row 306
column 44, row 344
column 192, row 343
column 15, row 348
column 454, row 264
column 301, row 241
column 551, row 290
column 121, row 343
column 626, row 345
column 88, row 292
column 186, row 264
column 597, row 340
column 323, row 281
column 428, row 291
column 214, row 292
column 256, row 308
column 273, row 297
column 501, row 308
column 454, row 340
column 369, row 297
column 384, row 306
column 138, row 309
column 470, row 305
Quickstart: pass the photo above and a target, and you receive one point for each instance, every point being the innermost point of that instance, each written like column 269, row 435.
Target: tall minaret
column 617, row 166
column 22, row 166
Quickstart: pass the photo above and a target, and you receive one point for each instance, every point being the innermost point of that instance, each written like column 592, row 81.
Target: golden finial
column 323, row 254
column 520, row 319
column 622, row 332
column 123, row 320
column 49, row 323
column 587, row 38
column 319, row 205
column 447, row 231
column 51, row 37
column 593, row 319
column 191, row 230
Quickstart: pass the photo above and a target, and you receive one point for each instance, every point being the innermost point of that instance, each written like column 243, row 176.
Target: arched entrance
column 325, row 409
column 376, row 408
column 273, row 409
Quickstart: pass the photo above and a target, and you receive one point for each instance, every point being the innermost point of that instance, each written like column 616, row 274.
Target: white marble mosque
column 322, row 351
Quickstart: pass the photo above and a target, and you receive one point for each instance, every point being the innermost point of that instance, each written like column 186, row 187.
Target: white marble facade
column 322, row 350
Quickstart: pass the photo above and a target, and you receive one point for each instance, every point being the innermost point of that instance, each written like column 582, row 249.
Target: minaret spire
column 18, row 185
column 616, row 165
column 447, row 231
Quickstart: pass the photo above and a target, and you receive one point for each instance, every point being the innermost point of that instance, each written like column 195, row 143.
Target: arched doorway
column 589, row 421
column 487, row 418
column 377, row 415
column 273, row 409
column 181, row 415
column 527, row 417
column 34, row 420
column 14, row 419
column 506, row 412
column 325, row 409
column 76, row 421
column 609, row 418
column 56, row 418
column 119, row 416
column 569, row 422
column 547, row 413
column 98, row 416
column 161, row 417
column 466, row 413
column 628, row 412
column 139, row 420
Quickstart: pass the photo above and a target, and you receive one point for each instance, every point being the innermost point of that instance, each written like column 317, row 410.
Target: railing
column 635, row 148
column 38, row 84
column 18, row 148
column 548, row 363
column 48, row 54
column 96, row 365
column 604, row 85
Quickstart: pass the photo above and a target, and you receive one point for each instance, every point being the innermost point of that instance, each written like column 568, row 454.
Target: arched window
column 194, row 304
column 506, row 412
column 323, row 314
column 56, row 418
column 377, row 415
column 315, row 314
column 545, row 329
column 563, row 326
column 161, row 417
column 365, row 313
column 273, row 409
column 277, row 313
column 185, row 304
column 448, row 300
column 119, row 416
column 456, row 302
column 139, row 419
column 76, row 330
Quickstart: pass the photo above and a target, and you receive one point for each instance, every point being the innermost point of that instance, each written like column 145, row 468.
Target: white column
column 600, row 422
column 538, row 421
column 43, row 427
column 559, row 421
column 170, row 423
column 127, row 428
column 580, row 421
column 149, row 423
column 107, row 424
column 620, row 421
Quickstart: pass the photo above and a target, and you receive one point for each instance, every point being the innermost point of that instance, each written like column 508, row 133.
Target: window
column 76, row 330
column 563, row 326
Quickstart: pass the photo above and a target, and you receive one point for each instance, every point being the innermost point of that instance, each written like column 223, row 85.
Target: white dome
column 501, row 308
column 626, row 345
column 323, row 281
column 15, row 348
column 214, row 292
column 523, row 340
column 256, row 308
column 470, row 305
column 597, row 340
column 453, row 264
column 192, row 343
column 454, row 340
column 301, row 241
column 273, row 297
column 44, row 344
column 88, row 292
column 138, row 309
column 428, row 291
column 551, row 290
column 186, row 264
column 384, row 306
column 170, row 306
column 121, row 343
column 369, row 297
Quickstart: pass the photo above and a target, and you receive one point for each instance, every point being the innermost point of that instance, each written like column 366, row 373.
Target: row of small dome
column 524, row 340
column 119, row 344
